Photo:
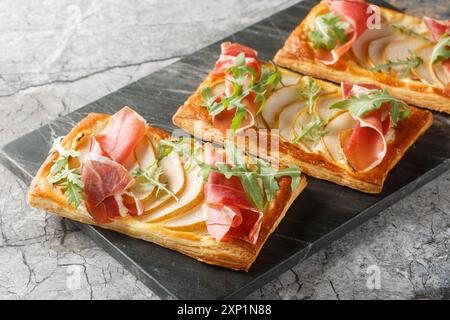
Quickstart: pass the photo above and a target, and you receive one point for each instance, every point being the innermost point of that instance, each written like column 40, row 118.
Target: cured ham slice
column 227, row 210
column 229, row 51
column 132, row 204
column 365, row 146
column 124, row 131
column 355, row 13
column 437, row 28
column 235, row 49
column 103, row 179
column 232, row 222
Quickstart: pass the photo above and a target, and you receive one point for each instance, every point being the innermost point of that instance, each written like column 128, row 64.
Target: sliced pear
column 145, row 158
column 174, row 177
column 428, row 72
column 218, row 88
column 331, row 140
column 360, row 47
column 287, row 118
column 277, row 101
column 440, row 74
column 193, row 220
column 190, row 198
column 323, row 106
column 376, row 48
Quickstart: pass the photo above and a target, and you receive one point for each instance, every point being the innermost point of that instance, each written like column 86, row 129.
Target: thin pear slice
column 277, row 101
column 218, row 88
column 287, row 118
column 174, row 177
column 145, row 159
column 440, row 74
column 190, row 198
column 332, row 140
column 193, row 220
column 376, row 49
column 361, row 45
column 428, row 72
column 145, row 154
column 323, row 106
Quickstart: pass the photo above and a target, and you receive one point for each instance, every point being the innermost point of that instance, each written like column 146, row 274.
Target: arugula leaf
column 151, row 178
column 441, row 51
column 63, row 176
column 309, row 91
column 270, row 184
column 59, row 165
column 261, row 195
column 57, row 146
column 410, row 63
column 245, row 82
column 269, row 175
column 328, row 30
column 312, row 131
column 364, row 103
column 70, row 179
column 249, row 179
column 64, row 155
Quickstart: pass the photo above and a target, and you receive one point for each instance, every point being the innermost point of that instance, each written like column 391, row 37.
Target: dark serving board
column 323, row 213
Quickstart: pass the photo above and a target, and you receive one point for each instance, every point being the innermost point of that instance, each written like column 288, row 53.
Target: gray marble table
column 60, row 55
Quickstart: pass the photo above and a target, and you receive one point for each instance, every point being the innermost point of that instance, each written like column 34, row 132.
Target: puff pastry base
column 299, row 56
column 234, row 254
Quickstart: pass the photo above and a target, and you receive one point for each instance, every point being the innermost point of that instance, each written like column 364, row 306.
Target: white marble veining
column 60, row 55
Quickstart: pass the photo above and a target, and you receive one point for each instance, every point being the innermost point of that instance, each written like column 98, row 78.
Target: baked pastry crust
column 298, row 55
column 196, row 121
column 198, row 244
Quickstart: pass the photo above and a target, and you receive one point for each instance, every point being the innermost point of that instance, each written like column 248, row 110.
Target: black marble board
column 323, row 213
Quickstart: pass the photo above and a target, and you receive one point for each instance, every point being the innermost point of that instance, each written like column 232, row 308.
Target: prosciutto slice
column 227, row 210
column 103, row 179
column 229, row 51
column 365, row 147
column 122, row 134
column 355, row 13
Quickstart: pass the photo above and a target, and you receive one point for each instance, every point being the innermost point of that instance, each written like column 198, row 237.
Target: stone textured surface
column 59, row 55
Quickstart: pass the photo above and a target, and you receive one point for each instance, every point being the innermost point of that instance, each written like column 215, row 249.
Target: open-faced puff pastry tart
column 352, row 135
column 118, row 173
column 354, row 41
